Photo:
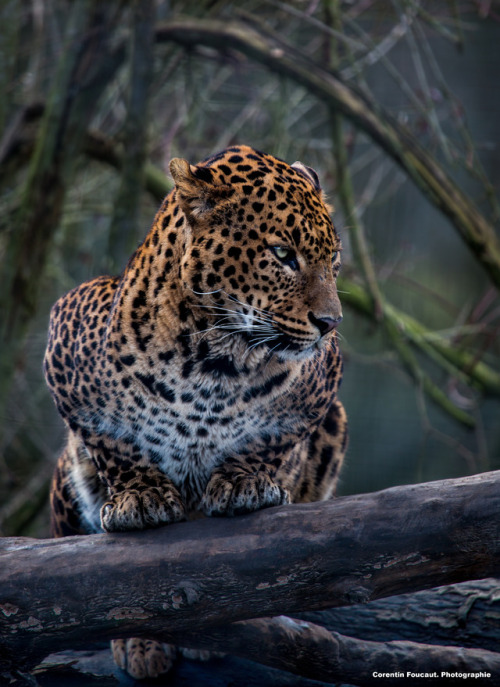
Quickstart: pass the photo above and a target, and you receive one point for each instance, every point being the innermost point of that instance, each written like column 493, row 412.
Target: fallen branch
column 312, row 651
column 464, row 615
column 56, row 594
column 459, row 615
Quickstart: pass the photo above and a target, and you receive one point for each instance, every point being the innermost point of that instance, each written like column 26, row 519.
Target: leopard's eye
column 287, row 256
column 283, row 253
column 334, row 256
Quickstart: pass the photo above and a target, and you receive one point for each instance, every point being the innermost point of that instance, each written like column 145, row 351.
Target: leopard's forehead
column 272, row 198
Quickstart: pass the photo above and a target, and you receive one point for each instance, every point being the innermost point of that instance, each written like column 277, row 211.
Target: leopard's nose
column 324, row 324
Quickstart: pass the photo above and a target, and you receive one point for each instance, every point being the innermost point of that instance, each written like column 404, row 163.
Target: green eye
column 287, row 256
column 283, row 253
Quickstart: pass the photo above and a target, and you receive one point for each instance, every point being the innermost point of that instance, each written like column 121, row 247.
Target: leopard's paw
column 143, row 658
column 142, row 509
column 242, row 493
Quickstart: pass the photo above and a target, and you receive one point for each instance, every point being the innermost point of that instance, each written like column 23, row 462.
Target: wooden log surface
column 463, row 615
column 310, row 650
column 57, row 594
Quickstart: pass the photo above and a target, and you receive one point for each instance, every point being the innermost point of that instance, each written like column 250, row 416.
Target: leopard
column 203, row 381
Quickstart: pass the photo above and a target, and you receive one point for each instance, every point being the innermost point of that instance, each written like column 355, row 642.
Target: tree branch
column 459, row 363
column 397, row 142
column 56, row 594
column 464, row 615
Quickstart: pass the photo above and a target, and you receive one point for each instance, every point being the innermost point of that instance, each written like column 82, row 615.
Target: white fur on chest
column 193, row 437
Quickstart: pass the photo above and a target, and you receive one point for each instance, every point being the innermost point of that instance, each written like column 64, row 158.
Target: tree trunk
column 79, row 81
column 123, row 232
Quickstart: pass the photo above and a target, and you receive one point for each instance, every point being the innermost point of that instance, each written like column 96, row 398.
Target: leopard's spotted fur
column 205, row 377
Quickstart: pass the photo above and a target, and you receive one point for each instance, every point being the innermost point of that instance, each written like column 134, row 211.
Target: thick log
column 312, row 651
column 464, row 615
column 460, row 615
column 57, row 594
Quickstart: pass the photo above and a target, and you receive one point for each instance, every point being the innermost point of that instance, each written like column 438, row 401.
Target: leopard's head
column 263, row 255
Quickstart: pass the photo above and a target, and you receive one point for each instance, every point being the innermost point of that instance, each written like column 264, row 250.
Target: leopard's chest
column 200, row 436
column 188, row 426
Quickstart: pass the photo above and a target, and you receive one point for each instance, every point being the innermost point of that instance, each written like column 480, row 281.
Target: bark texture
column 57, row 594
column 465, row 615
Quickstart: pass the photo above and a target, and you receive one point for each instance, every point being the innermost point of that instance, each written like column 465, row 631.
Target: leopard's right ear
column 308, row 173
column 196, row 192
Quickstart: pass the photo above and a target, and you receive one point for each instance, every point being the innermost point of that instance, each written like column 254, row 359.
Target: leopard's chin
column 287, row 347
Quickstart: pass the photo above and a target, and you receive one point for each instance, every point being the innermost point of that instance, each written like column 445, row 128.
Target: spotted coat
column 205, row 377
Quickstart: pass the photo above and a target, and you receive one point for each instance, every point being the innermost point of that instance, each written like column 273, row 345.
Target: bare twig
column 378, row 51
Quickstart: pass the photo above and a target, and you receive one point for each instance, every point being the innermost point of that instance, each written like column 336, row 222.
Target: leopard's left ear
column 196, row 192
column 308, row 173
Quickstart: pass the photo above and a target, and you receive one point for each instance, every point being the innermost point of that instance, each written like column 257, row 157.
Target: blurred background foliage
column 394, row 103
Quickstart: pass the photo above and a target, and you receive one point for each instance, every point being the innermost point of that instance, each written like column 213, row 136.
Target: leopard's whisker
column 260, row 342
column 229, row 319
column 206, row 293
column 222, row 309
column 270, row 356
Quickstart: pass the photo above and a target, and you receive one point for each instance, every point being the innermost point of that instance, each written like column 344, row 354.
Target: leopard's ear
column 196, row 191
column 308, row 173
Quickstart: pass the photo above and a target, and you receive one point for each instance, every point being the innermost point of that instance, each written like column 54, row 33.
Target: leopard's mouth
column 290, row 347
column 294, row 339
column 285, row 345
column 262, row 329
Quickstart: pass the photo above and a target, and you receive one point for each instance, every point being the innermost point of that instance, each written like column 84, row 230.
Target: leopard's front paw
column 142, row 509
column 143, row 658
column 242, row 493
